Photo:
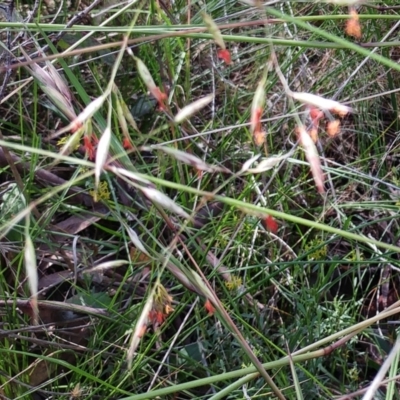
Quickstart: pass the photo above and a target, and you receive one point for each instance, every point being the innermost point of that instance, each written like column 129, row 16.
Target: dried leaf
column 54, row 279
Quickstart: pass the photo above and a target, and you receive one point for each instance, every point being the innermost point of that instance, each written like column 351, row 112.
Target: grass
column 106, row 299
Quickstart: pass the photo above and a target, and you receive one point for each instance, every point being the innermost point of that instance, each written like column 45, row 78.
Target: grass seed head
column 314, row 134
column 259, row 137
column 102, row 155
column 323, row 104
column 315, row 115
column 209, row 307
column 270, row 224
column 164, row 201
column 312, row 157
column 53, row 86
column 353, row 26
column 214, row 30
column 333, row 127
column 193, row 108
column 225, row 55
column 149, row 82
